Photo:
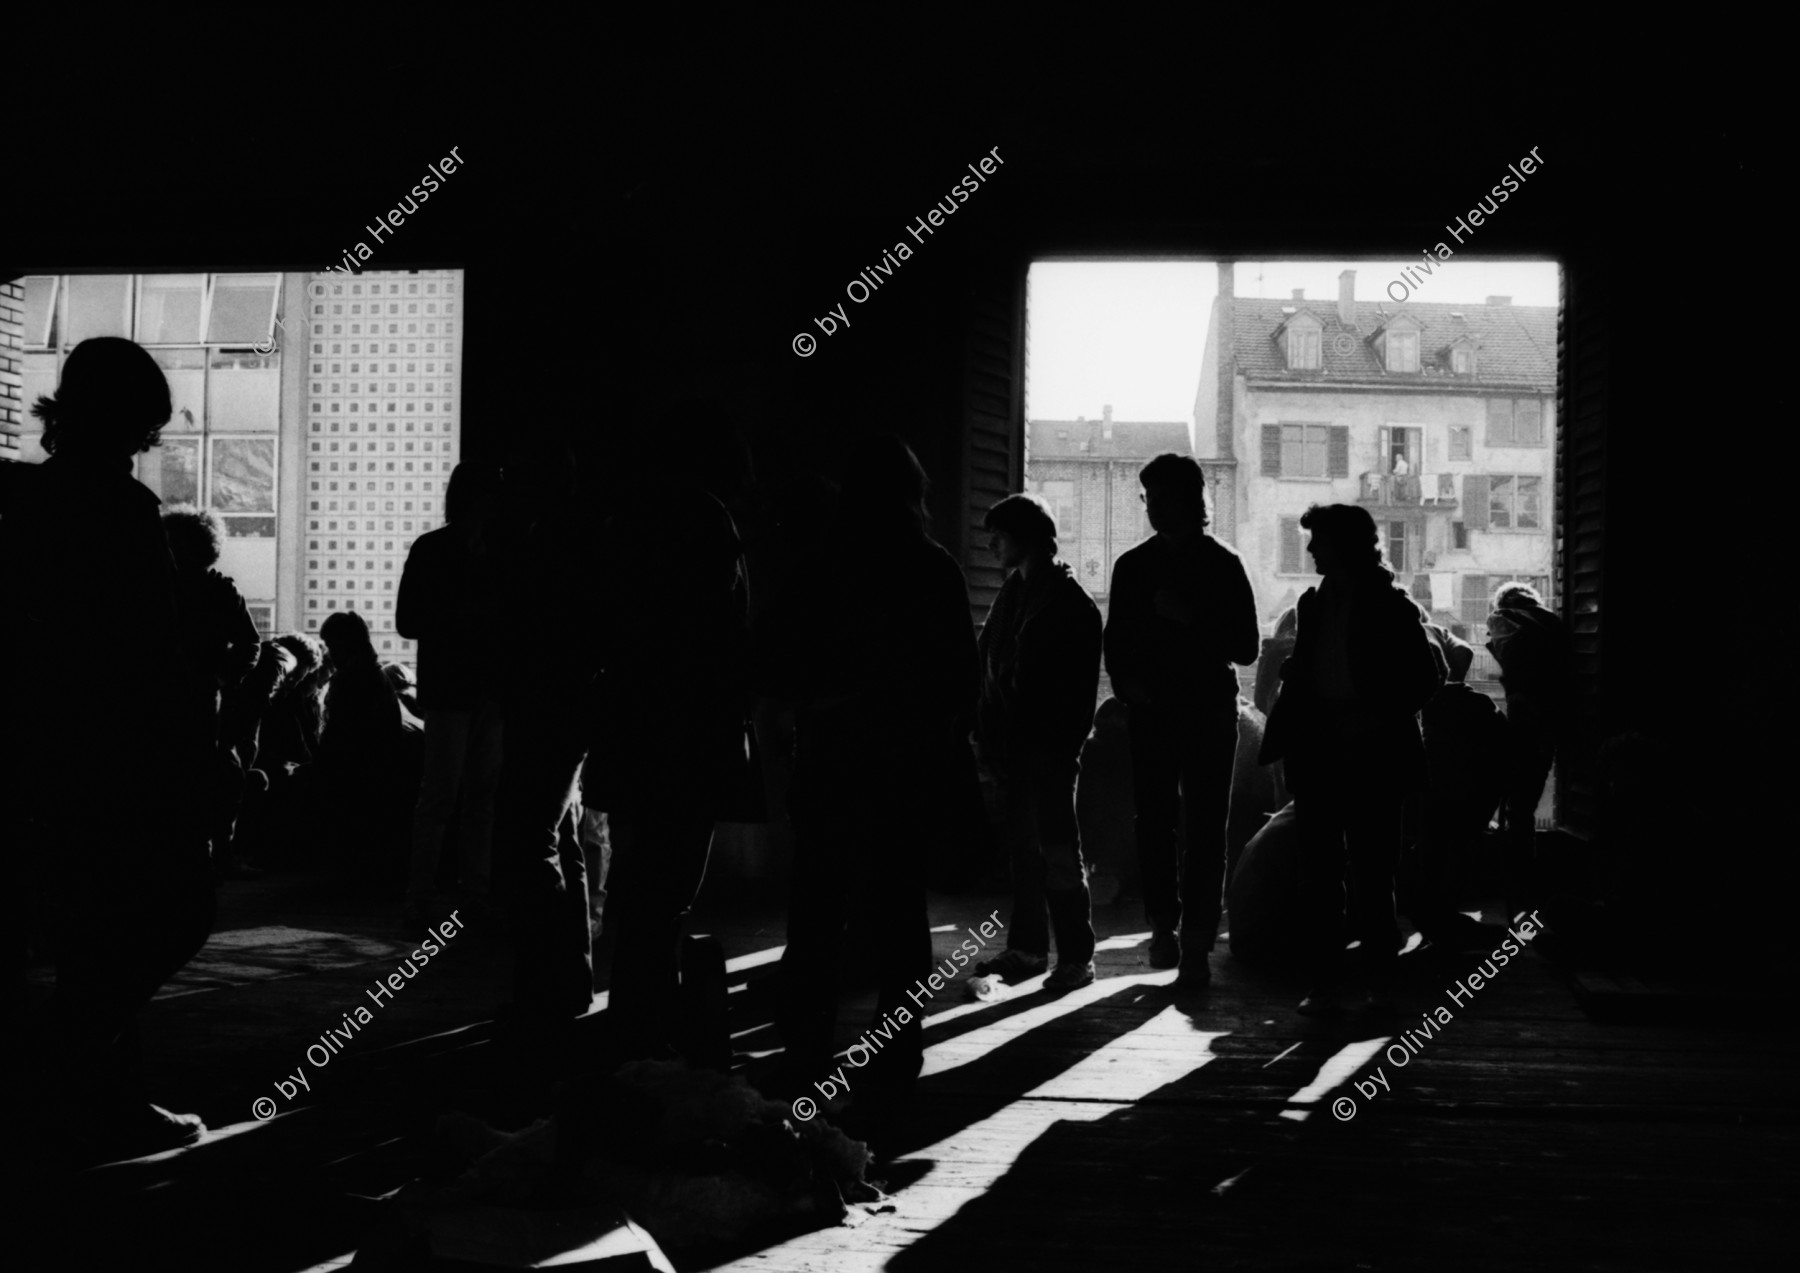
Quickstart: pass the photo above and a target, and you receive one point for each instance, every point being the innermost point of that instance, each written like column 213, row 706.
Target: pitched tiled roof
column 1514, row 344
column 1131, row 439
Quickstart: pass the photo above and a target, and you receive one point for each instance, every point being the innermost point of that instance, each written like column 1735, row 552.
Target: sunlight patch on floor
column 969, row 1163
column 973, row 1045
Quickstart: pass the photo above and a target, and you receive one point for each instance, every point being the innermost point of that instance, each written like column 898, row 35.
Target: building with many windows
column 1087, row 471
column 1438, row 418
column 317, row 414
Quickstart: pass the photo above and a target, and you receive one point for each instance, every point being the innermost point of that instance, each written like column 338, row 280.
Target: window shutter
column 1528, row 423
column 993, row 458
column 1290, row 546
column 1500, row 422
column 1475, row 501
column 1271, row 450
column 1338, row 456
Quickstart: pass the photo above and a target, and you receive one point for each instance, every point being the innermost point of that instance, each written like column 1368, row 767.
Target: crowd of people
column 543, row 698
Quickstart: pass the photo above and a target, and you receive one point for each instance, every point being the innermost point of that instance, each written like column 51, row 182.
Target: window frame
column 1408, row 337
column 1513, row 490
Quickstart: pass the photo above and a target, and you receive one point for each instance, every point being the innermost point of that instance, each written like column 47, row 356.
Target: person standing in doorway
column 1532, row 647
column 1040, row 675
column 447, row 603
column 1182, row 613
column 1347, row 724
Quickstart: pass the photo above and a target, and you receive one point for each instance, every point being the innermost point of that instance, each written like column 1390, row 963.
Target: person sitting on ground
column 1040, row 660
column 1465, row 752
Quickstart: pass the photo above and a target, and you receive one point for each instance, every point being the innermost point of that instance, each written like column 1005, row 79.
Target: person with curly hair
column 220, row 645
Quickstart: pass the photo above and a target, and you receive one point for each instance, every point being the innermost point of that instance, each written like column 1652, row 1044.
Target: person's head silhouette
column 112, row 402
column 1344, row 539
column 346, row 636
column 884, row 483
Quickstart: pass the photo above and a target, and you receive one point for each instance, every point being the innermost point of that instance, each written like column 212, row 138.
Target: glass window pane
column 98, row 306
column 250, row 527
column 1500, row 501
column 40, row 308
column 243, row 308
column 1530, row 498
column 39, row 382
column 243, row 475
column 172, row 470
column 243, row 391
column 169, row 308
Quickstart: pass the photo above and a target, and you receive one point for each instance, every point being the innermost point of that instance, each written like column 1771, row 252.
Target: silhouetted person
column 359, row 747
column 120, row 852
column 1347, row 725
column 552, row 594
column 889, row 674
column 1182, row 611
column 674, row 701
column 1465, row 758
column 220, row 645
column 449, row 603
column 1532, row 647
column 1040, row 674
column 244, row 709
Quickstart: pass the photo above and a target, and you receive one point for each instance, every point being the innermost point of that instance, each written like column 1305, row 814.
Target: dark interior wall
column 664, row 222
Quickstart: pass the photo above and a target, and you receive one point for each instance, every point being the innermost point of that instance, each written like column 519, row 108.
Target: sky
column 1131, row 333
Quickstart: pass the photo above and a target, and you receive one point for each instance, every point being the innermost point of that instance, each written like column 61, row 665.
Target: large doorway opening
column 1430, row 400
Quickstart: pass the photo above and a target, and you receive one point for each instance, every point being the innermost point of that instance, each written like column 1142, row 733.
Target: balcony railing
column 1411, row 490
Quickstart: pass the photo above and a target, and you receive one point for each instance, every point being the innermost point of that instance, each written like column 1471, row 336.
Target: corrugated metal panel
column 993, row 421
column 1581, row 346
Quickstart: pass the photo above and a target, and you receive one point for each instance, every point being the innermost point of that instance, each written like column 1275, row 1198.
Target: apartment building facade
column 1438, row 418
column 1087, row 471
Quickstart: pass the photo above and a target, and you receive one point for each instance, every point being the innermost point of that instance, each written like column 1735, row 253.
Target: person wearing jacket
column 1532, row 647
column 888, row 682
column 112, row 842
column 220, row 645
column 1182, row 613
column 1347, row 725
column 1040, row 675
column 447, row 603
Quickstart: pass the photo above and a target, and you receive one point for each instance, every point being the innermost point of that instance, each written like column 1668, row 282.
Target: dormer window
column 1402, row 350
column 1302, row 338
column 1462, row 357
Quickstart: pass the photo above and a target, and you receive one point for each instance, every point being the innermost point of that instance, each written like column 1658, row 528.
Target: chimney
column 1299, row 293
column 1106, row 423
column 1499, row 300
column 1225, row 417
column 1347, row 298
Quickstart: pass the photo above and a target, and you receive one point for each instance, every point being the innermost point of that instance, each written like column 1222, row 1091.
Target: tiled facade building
column 317, row 414
column 1438, row 418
